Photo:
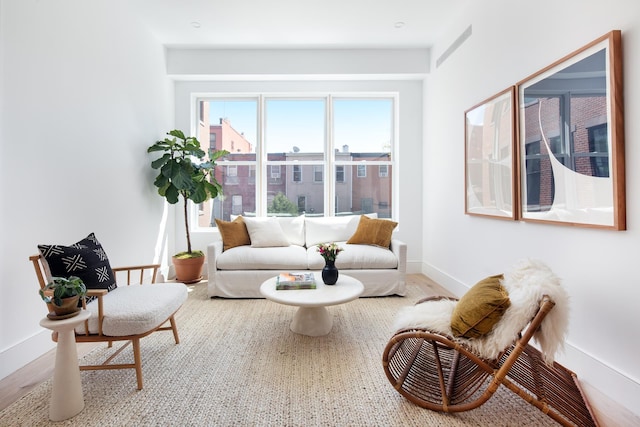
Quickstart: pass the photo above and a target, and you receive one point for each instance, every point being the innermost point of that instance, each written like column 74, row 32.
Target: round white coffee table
column 312, row 317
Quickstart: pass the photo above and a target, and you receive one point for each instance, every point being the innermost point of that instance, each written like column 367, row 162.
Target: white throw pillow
column 326, row 229
column 265, row 232
column 293, row 228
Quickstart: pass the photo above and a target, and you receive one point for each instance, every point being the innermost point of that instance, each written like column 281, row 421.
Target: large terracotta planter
column 188, row 270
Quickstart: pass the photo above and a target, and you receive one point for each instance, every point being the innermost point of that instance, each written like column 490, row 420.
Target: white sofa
column 238, row 272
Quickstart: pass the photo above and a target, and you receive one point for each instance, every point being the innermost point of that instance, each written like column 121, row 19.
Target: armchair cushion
column 136, row 309
column 480, row 308
column 85, row 259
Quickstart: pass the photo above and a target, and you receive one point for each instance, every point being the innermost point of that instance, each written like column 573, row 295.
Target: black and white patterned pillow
column 85, row 259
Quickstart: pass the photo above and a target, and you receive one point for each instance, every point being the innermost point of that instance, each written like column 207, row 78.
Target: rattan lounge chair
column 440, row 372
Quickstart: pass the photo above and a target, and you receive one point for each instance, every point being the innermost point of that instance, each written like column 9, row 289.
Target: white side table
column 67, row 399
column 312, row 317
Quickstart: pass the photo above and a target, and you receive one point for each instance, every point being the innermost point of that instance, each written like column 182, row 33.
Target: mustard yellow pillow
column 234, row 233
column 480, row 308
column 373, row 231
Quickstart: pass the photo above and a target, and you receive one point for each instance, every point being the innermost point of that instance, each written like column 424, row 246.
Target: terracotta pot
column 188, row 270
column 69, row 305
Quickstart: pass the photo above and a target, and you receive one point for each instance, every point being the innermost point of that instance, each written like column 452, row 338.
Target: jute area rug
column 238, row 364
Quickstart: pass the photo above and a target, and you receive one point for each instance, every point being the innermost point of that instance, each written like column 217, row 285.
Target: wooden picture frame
column 573, row 109
column 489, row 157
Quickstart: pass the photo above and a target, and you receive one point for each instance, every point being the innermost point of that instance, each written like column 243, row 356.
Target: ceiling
column 297, row 23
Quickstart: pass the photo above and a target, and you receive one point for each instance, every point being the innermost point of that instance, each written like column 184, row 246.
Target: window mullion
column 261, row 162
column 329, row 160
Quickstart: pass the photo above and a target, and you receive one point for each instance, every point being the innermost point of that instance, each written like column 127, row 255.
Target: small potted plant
column 186, row 173
column 64, row 293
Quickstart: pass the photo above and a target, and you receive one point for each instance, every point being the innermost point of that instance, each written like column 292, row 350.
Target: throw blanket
column 526, row 283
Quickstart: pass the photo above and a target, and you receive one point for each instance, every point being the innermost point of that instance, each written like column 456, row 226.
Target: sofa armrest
column 399, row 248
column 214, row 250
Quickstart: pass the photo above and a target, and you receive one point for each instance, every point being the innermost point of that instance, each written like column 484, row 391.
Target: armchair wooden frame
column 149, row 272
column 436, row 372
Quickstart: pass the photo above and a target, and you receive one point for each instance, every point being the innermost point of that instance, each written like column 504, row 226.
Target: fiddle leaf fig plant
column 63, row 287
column 185, row 172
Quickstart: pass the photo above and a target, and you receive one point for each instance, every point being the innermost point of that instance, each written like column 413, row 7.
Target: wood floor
column 19, row 383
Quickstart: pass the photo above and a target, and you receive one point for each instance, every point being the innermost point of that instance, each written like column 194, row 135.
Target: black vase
column 330, row 273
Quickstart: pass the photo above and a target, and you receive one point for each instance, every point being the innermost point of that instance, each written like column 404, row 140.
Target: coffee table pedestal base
column 312, row 321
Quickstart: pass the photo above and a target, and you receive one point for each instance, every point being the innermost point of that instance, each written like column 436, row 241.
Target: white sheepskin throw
column 526, row 283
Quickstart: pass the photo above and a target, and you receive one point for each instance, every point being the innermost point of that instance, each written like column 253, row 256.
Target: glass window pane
column 363, row 125
column 371, row 194
column 233, row 124
column 296, row 126
column 230, row 124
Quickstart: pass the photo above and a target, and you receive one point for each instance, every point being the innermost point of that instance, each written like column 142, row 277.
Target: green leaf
column 161, row 181
column 172, row 194
column 199, row 194
column 213, row 189
column 182, row 179
column 177, row 133
column 216, row 154
column 161, row 161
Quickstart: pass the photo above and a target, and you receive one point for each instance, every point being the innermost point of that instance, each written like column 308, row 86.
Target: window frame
column 330, row 165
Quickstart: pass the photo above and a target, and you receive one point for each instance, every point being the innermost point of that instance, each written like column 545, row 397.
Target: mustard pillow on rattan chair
column 480, row 308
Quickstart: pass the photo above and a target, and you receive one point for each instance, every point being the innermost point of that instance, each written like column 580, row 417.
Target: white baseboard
column 26, row 351
column 599, row 379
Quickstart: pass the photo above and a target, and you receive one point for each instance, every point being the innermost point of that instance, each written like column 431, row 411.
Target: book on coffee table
column 296, row 280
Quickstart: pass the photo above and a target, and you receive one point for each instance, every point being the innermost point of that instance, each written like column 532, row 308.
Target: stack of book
column 298, row 280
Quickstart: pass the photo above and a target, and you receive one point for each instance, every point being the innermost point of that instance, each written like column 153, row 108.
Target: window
column 297, row 173
column 302, row 204
column 275, row 171
column 276, row 141
column 598, row 150
column 212, row 141
column 236, row 205
column 252, row 175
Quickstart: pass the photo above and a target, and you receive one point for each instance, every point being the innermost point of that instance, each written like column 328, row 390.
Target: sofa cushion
column 480, row 308
column 234, row 233
column 265, row 232
column 275, row 258
column 375, row 232
column 327, row 229
column 355, row 257
column 135, row 309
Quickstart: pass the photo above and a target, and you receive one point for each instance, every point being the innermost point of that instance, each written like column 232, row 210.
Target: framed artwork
column 571, row 139
column 489, row 157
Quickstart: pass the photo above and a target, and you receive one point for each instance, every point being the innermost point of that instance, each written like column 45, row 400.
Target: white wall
column 510, row 41
column 84, row 93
